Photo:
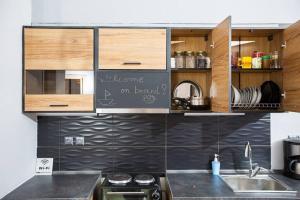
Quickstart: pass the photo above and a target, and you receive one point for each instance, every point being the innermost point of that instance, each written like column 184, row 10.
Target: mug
column 297, row 167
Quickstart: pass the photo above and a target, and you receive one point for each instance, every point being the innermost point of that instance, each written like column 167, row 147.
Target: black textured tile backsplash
column 153, row 143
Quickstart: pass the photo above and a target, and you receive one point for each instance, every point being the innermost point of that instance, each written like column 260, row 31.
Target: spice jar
column 190, row 59
column 246, row 62
column 207, row 59
column 266, row 61
column 256, row 60
column 179, row 59
column 200, row 60
column 275, row 58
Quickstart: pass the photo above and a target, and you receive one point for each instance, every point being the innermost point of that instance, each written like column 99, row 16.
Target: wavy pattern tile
column 140, row 159
column 253, row 127
column 95, row 132
column 187, row 131
column 179, row 158
column 139, row 133
column 147, row 143
column 87, row 158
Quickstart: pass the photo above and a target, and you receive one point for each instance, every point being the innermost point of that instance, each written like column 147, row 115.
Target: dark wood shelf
column 239, row 70
column 187, row 70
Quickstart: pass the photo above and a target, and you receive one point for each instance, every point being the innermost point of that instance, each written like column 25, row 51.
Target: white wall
column 164, row 11
column 18, row 140
column 282, row 125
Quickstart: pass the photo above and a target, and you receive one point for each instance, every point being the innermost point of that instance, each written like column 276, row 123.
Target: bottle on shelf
column 179, row 59
column 189, row 59
column 275, row 58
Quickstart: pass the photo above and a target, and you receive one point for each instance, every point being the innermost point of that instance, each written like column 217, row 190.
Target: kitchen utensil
column 258, row 96
column 294, row 167
column 270, row 92
column 186, row 90
column 237, row 95
column 197, row 101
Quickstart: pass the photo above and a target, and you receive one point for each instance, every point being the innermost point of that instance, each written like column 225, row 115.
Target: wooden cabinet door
column 221, row 70
column 58, row 49
column 121, row 48
column 291, row 68
column 62, row 103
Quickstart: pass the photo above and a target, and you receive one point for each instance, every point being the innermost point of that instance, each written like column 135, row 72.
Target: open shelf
column 247, row 42
column 191, row 40
column 239, row 70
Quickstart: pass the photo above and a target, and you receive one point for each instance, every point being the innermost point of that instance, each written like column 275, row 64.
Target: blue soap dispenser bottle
column 215, row 165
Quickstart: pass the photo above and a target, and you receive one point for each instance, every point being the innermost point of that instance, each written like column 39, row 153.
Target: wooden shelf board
column 255, row 70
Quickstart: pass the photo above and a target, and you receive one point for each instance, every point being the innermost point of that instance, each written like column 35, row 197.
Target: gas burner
column 144, row 179
column 119, row 178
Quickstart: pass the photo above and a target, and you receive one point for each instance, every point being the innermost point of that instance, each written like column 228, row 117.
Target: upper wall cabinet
column 291, row 67
column 266, row 69
column 58, row 49
column 58, row 69
column 134, row 48
column 200, row 79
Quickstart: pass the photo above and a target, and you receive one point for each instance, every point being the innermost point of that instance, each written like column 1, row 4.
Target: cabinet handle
column 58, row 105
column 132, row 63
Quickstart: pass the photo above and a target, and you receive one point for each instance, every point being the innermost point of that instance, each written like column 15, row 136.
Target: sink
column 259, row 183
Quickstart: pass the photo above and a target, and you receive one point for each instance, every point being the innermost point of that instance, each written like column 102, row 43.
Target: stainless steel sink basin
column 259, row 183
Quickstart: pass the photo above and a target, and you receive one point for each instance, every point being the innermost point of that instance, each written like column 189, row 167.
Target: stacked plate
column 266, row 96
column 246, row 98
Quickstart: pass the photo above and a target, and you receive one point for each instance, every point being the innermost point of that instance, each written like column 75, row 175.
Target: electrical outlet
column 79, row 140
column 69, row 141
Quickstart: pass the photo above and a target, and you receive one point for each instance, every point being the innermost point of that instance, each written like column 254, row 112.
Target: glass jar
column 200, row 60
column 266, row 61
column 275, row 58
column 207, row 59
column 246, row 62
column 179, row 59
column 190, row 60
column 256, row 60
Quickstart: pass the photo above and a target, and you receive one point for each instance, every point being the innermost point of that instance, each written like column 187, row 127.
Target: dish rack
column 261, row 106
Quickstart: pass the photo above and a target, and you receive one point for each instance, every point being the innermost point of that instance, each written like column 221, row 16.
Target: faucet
column 248, row 154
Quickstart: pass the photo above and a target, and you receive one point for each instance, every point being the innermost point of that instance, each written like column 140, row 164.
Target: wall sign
column 44, row 166
column 128, row 89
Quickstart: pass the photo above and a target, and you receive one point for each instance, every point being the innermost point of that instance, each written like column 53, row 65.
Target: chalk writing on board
column 149, row 99
column 118, row 79
column 107, row 101
column 132, row 89
column 164, row 88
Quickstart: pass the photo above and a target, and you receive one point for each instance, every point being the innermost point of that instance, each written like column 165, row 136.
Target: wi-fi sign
column 44, row 161
column 44, row 166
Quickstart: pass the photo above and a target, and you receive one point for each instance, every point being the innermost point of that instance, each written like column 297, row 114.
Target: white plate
column 237, row 96
column 254, row 97
column 258, row 96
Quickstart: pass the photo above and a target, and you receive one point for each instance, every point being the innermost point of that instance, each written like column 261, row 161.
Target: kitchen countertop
column 56, row 187
column 187, row 186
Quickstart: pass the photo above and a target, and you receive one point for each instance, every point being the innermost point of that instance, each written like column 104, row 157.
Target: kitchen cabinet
column 132, row 48
column 214, row 82
column 286, row 42
column 58, row 68
column 58, row 48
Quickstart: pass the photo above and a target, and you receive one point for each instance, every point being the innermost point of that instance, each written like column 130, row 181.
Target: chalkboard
column 132, row 89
